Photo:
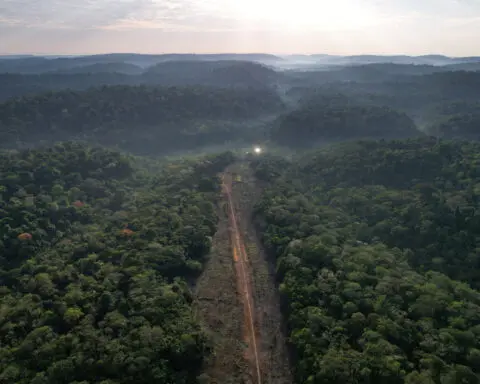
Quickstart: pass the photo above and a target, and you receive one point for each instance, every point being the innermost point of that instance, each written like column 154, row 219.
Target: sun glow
column 301, row 14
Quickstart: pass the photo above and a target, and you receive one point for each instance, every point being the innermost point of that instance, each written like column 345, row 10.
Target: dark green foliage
column 338, row 118
column 381, row 99
column 459, row 127
column 38, row 64
column 104, row 68
column 217, row 73
column 142, row 119
column 63, row 74
column 17, row 84
column 376, row 247
column 99, row 293
column 463, row 122
column 417, row 96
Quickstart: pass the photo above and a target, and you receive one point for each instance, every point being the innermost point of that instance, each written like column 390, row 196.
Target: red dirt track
column 244, row 283
column 236, row 299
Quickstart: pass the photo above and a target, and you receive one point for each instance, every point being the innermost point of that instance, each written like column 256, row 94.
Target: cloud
column 273, row 25
column 79, row 14
column 217, row 15
column 429, row 8
column 180, row 15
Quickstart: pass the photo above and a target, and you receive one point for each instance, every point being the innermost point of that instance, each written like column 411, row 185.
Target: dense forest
column 213, row 73
column 338, row 118
column 18, row 84
column 104, row 68
column 443, row 104
column 411, row 64
column 460, row 119
column 142, row 119
column 41, row 64
column 221, row 74
column 376, row 246
column 375, row 239
column 416, row 95
column 96, row 258
column 384, row 97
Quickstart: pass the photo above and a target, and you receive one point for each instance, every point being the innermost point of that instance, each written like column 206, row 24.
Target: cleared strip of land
column 237, row 300
column 244, row 284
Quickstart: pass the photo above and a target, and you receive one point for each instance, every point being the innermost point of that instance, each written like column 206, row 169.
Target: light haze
column 415, row 27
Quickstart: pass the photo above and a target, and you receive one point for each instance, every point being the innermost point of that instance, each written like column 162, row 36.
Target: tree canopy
column 98, row 292
column 338, row 118
column 376, row 246
column 142, row 119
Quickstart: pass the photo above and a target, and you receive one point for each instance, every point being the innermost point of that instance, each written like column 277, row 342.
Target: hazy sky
column 449, row 27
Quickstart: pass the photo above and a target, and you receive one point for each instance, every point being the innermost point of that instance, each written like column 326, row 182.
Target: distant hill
column 16, row 85
column 220, row 73
column 119, row 67
column 328, row 119
column 367, row 73
column 455, row 120
column 40, row 64
column 11, row 57
column 149, row 60
column 466, row 66
column 412, row 94
column 458, row 126
column 372, row 73
column 142, row 119
column 318, row 61
column 413, row 89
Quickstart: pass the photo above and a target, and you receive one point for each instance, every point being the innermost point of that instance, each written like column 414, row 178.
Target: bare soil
column 237, row 300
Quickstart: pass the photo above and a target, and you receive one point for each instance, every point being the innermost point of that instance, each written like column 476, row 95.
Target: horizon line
column 226, row 53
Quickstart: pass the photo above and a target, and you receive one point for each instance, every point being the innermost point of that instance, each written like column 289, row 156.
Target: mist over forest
column 186, row 101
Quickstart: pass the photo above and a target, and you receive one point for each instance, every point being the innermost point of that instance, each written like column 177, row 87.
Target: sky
column 414, row 27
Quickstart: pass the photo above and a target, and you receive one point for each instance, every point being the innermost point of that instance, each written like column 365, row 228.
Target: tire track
column 243, row 280
column 269, row 325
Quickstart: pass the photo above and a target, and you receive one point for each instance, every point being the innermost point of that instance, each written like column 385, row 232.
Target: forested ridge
column 421, row 97
column 221, row 74
column 39, row 64
column 135, row 118
column 460, row 119
column 336, row 117
column 18, row 84
column 97, row 253
column 376, row 246
column 381, row 100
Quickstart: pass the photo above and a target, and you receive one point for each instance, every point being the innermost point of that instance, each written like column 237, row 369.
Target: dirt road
column 244, row 283
column 237, row 300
